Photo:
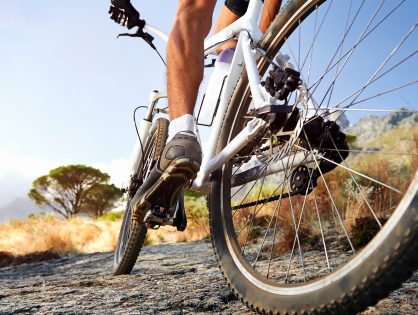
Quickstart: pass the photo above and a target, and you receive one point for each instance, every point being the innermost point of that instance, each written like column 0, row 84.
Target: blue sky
column 68, row 86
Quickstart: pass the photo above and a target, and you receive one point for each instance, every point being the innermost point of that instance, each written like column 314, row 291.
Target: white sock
column 183, row 123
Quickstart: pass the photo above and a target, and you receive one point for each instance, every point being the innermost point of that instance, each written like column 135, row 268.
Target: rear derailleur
column 326, row 138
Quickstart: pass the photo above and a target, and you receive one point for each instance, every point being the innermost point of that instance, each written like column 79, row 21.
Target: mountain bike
column 305, row 217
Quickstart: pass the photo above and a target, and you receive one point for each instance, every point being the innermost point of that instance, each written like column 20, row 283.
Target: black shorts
column 239, row 7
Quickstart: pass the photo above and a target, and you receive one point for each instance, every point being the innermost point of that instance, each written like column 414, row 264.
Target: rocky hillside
column 373, row 126
column 168, row 279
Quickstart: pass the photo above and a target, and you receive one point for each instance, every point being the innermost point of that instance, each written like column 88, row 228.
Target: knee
column 197, row 13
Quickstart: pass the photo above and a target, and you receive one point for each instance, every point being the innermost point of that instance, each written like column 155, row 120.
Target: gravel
column 169, row 278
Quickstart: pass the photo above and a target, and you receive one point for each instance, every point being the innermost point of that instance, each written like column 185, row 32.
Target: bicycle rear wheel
column 297, row 226
column 132, row 233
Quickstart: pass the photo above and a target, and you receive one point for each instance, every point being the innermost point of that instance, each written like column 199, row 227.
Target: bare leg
column 226, row 17
column 185, row 54
column 271, row 7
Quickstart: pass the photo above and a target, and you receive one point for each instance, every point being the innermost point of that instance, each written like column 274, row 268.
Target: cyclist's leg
column 181, row 157
column 233, row 9
column 270, row 10
column 185, row 54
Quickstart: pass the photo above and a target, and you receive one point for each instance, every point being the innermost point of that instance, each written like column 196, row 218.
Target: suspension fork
column 144, row 129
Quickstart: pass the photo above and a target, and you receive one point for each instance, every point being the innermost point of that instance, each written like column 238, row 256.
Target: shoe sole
column 164, row 192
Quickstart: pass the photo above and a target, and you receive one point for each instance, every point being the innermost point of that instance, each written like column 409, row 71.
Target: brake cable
column 145, row 36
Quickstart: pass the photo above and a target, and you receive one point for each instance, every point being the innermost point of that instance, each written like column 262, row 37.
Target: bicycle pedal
column 180, row 218
column 157, row 217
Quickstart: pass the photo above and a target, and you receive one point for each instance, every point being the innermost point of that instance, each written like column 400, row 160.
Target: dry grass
column 251, row 223
column 48, row 234
column 197, row 220
column 58, row 236
column 86, row 236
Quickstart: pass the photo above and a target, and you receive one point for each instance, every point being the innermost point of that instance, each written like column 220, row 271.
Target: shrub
column 112, row 216
column 364, row 230
column 197, row 218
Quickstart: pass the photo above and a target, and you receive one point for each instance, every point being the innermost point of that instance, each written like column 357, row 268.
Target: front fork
column 143, row 133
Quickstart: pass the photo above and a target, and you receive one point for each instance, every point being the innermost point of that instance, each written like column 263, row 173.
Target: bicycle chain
column 270, row 199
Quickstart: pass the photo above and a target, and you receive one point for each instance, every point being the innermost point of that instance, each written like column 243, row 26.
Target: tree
column 100, row 200
column 73, row 189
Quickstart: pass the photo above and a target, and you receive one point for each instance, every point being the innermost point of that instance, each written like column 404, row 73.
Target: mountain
column 373, row 126
column 19, row 208
column 340, row 117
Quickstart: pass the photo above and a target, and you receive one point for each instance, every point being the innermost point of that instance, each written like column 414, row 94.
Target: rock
column 372, row 126
column 169, row 279
column 340, row 118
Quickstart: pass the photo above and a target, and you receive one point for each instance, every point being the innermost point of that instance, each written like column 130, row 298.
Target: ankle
column 185, row 123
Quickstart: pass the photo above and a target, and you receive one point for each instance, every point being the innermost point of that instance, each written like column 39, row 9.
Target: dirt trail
column 171, row 279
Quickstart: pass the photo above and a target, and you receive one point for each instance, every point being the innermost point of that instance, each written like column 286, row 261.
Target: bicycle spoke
column 316, row 34
column 374, row 78
column 387, row 60
column 373, row 152
column 360, row 90
column 341, row 43
column 271, row 195
column 339, row 71
column 322, row 231
column 253, row 216
column 298, row 226
column 311, row 49
column 264, row 239
column 382, row 93
column 300, row 39
column 342, row 109
column 274, row 235
column 340, row 53
column 257, row 211
column 332, row 199
column 255, row 182
column 360, row 174
column 297, row 237
column 358, row 186
column 356, row 44
column 298, row 242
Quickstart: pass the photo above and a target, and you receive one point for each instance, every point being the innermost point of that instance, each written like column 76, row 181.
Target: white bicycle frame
column 248, row 34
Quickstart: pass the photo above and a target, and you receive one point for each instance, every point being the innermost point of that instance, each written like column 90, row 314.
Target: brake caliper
column 281, row 82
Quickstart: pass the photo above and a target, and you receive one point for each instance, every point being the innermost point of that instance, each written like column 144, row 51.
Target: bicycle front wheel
column 323, row 218
column 132, row 232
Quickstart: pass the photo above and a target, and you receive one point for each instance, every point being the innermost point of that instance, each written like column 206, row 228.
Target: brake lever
column 141, row 34
column 128, row 35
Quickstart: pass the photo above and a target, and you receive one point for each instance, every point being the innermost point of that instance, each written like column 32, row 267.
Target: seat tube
column 254, row 10
column 252, row 70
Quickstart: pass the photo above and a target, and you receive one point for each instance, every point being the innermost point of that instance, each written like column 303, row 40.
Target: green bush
column 195, row 207
column 189, row 193
column 350, row 138
column 112, row 216
column 364, row 230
